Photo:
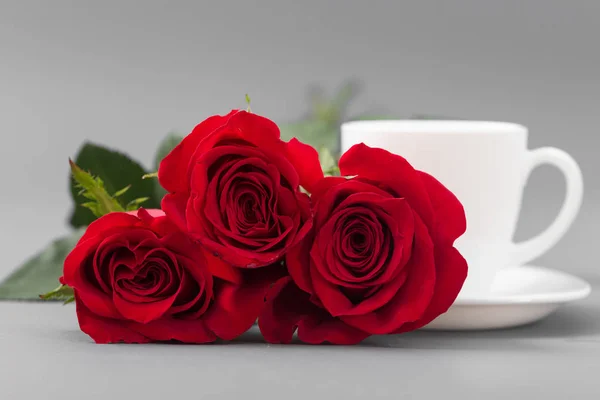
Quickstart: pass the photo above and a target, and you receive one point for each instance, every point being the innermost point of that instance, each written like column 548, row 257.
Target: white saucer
column 519, row 296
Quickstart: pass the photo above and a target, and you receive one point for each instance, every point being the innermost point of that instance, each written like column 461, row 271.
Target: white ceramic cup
column 486, row 165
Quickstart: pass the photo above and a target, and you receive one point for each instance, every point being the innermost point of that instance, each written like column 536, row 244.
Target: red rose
column 379, row 259
column 138, row 279
column 234, row 187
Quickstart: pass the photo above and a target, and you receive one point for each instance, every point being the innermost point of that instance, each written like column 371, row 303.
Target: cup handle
column 534, row 247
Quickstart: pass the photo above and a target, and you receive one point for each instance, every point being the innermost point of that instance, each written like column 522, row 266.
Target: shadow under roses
column 573, row 324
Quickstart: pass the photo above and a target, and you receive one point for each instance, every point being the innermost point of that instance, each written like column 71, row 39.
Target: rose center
column 250, row 210
column 148, row 279
column 248, row 213
column 358, row 241
column 152, row 279
column 361, row 245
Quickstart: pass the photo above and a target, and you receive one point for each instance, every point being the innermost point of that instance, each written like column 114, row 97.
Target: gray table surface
column 43, row 355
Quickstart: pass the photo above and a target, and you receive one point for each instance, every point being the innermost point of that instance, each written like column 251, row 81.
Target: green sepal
column 122, row 191
column 62, row 293
column 150, row 175
column 134, row 204
column 92, row 188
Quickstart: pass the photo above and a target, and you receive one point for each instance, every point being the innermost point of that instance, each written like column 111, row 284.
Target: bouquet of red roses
column 252, row 229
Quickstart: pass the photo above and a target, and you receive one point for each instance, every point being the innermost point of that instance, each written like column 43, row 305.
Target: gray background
column 124, row 73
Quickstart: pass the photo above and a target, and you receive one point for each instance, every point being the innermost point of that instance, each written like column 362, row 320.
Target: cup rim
column 408, row 126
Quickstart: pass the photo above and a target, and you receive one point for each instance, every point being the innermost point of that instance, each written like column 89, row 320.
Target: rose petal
column 147, row 215
column 182, row 330
column 287, row 201
column 144, row 309
column 391, row 170
column 287, row 308
column 321, row 187
column 105, row 330
column 197, row 226
column 236, row 307
column 337, row 191
column 333, row 300
column 338, row 304
column 191, row 302
column 205, row 212
column 451, row 272
column 335, row 268
column 173, row 169
column 180, row 244
column 109, row 253
column 412, row 300
column 254, row 128
column 305, row 160
column 174, row 206
column 305, row 213
column 392, row 217
column 142, row 312
column 286, row 305
column 76, row 263
column 110, row 222
column 320, row 328
column 238, row 257
column 449, row 212
column 195, row 294
column 158, row 222
column 298, row 263
column 142, row 242
column 223, row 270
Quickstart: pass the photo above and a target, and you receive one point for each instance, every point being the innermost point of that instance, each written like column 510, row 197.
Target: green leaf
column 331, row 111
column 346, row 93
column 164, row 148
column 328, row 162
column 116, row 171
column 41, row 272
column 319, row 134
column 62, row 293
